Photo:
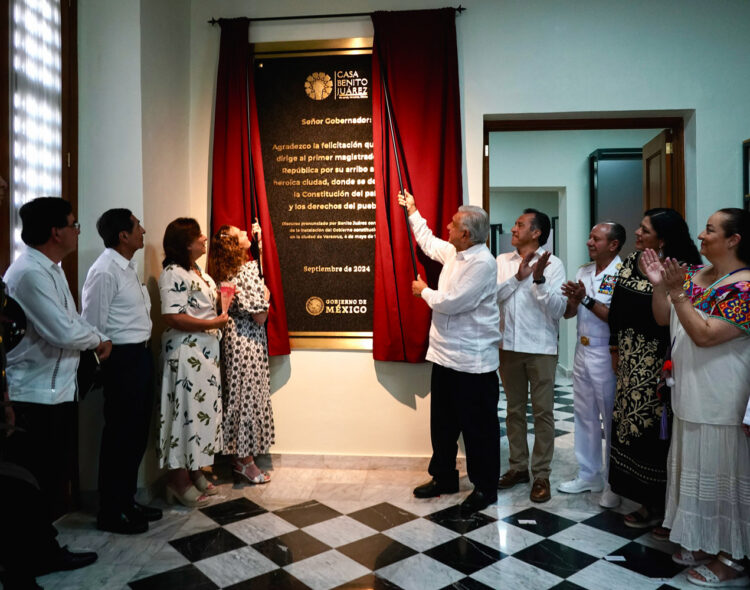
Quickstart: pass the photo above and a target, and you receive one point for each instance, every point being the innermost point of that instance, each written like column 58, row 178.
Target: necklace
column 200, row 275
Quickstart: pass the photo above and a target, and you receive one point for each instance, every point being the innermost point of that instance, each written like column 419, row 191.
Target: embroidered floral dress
column 638, row 457
column 708, row 492
column 248, row 418
column 190, row 418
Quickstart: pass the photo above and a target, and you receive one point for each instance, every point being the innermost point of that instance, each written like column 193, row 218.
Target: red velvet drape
column 417, row 52
column 235, row 138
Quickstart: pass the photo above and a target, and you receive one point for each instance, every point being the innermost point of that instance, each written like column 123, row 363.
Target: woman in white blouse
column 708, row 312
column 190, row 418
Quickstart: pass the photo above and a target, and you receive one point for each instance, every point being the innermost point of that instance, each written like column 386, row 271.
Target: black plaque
column 315, row 119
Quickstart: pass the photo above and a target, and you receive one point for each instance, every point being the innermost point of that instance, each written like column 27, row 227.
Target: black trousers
column 48, row 448
column 465, row 403
column 28, row 539
column 128, row 403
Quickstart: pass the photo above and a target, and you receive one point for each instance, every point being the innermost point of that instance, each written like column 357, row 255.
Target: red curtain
column 416, row 50
column 238, row 166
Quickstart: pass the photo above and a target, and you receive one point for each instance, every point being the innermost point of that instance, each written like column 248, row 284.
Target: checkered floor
column 352, row 522
column 311, row 545
column 386, row 546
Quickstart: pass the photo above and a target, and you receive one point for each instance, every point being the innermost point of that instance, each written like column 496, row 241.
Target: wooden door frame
column 676, row 124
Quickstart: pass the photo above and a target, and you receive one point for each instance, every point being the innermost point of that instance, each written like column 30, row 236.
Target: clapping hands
column 537, row 269
column 574, row 291
column 668, row 272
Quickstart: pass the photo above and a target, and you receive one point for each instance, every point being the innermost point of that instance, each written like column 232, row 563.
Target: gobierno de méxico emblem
column 318, row 85
column 314, row 306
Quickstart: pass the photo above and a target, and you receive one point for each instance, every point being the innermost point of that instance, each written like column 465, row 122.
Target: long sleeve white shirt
column 42, row 368
column 530, row 314
column 114, row 300
column 464, row 334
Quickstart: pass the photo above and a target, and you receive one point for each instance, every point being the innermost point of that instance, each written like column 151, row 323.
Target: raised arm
column 704, row 331
column 549, row 294
column 659, row 301
column 431, row 245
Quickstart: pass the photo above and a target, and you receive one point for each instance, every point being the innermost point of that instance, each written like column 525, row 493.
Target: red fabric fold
column 417, row 51
column 235, row 137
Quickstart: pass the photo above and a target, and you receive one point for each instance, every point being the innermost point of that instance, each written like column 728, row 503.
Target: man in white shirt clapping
column 115, row 301
column 531, row 305
column 464, row 337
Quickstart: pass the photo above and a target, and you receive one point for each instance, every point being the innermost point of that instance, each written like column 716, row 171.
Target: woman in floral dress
column 248, row 418
column 190, row 417
column 638, row 457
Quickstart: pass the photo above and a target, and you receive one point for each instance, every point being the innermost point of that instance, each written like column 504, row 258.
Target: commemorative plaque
column 315, row 123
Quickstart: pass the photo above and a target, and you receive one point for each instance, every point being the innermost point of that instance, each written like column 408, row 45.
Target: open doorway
column 531, row 159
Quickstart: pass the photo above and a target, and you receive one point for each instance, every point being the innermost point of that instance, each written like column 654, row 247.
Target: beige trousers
column 523, row 374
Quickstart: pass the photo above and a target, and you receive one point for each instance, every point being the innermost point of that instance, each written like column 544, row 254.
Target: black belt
column 144, row 344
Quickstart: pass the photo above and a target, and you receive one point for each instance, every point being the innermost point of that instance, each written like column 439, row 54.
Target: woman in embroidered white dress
column 708, row 485
column 248, row 418
column 190, row 418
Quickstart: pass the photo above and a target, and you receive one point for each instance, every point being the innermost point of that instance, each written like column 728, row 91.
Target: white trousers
column 594, row 385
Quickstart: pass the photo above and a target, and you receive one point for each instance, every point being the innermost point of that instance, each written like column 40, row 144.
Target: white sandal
column 711, row 580
column 240, row 473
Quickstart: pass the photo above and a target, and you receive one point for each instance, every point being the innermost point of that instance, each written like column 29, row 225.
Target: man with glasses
column 41, row 370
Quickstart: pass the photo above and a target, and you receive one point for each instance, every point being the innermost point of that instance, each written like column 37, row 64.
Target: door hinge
column 68, row 159
column 486, row 151
column 669, row 147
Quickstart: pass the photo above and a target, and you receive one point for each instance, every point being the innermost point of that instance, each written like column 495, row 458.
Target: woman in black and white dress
column 248, row 418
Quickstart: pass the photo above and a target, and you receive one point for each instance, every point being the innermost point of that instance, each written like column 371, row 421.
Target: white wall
column 110, row 173
column 515, row 57
column 507, row 204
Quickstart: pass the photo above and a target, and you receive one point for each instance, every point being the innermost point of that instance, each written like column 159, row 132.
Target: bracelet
column 678, row 298
column 588, row 302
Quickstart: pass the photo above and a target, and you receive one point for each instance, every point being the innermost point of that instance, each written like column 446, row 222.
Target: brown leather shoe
column 511, row 478
column 540, row 490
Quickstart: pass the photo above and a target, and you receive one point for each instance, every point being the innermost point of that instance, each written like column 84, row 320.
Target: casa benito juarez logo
column 344, row 85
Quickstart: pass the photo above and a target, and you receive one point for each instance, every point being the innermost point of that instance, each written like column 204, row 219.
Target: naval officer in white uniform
column 593, row 378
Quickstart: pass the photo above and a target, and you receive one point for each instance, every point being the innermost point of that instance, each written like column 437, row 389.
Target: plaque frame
column 342, row 340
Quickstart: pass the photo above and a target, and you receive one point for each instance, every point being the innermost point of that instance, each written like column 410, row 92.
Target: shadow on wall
column 404, row 381
column 281, row 371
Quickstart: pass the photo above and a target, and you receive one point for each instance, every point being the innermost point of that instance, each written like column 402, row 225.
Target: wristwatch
column 588, row 302
column 540, row 281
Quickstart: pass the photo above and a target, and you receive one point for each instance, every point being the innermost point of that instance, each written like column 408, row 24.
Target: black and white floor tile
column 352, row 522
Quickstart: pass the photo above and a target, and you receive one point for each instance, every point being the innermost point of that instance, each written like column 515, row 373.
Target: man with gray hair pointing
column 464, row 338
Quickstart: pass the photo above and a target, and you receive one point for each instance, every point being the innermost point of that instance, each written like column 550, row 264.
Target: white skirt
column 708, row 488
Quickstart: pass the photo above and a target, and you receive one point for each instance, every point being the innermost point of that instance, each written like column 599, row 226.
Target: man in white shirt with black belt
column 531, row 305
column 593, row 378
column 42, row 368
column 115, row 301
column 464, row 337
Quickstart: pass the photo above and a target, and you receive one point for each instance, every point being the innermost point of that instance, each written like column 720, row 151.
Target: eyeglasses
column 75, row 225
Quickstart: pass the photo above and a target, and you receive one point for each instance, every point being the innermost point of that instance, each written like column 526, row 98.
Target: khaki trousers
column 523, row 374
